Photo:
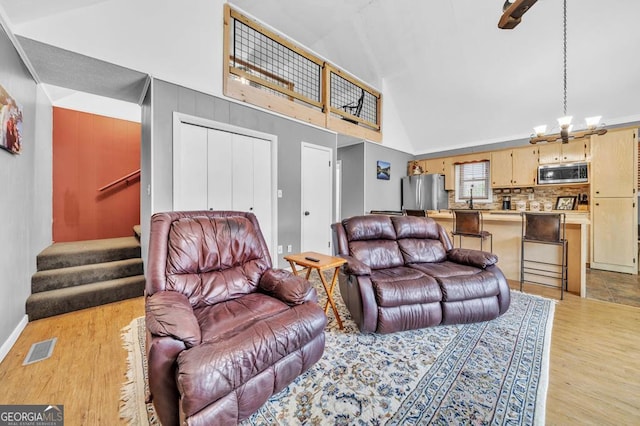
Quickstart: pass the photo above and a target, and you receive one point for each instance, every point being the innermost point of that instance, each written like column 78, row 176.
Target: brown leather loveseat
column 225, row 330
column 403, row 273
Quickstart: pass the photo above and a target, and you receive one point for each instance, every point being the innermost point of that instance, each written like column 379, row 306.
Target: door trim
column 179, row 118
column 331, row 173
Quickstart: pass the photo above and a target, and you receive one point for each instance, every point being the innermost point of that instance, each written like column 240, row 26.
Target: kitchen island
column 506, row 227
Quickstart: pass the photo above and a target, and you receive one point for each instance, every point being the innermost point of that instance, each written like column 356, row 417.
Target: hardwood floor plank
column 87, row 367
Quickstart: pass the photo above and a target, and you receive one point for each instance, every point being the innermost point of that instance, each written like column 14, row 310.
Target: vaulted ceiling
column 450, row 78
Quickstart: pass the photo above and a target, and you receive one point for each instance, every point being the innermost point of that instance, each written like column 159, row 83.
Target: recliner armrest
column 477, row 258
column 354, row 266
column 169, row 313
column 285, row 286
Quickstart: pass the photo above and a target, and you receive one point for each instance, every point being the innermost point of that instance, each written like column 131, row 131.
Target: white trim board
column 13, row 337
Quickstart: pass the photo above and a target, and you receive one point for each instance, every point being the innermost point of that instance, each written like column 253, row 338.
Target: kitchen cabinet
column 501, row 168
column 514, row 167
column 613, row 164
column 428, row 166
column 614, row 234
column 434, row 165
column 525, row 166
column 449, row 173
column 557, row 152
column 614, row 210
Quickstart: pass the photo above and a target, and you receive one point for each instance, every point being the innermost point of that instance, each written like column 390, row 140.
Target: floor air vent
column 39, row 351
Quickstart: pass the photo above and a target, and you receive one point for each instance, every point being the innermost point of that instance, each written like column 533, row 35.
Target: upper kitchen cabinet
column 564, row 152
column 428, row 166
column 514, row 167
column 525, row 166
column 501, row 168
column 449, row 174
column 434, row 165
column 613, row 164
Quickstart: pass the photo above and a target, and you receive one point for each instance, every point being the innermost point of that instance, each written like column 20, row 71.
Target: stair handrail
column 124, row 178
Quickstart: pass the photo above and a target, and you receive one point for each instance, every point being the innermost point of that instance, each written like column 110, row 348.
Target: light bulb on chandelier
column 564, row 122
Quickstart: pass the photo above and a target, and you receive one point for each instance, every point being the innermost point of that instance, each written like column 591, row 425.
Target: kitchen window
column 473, row 177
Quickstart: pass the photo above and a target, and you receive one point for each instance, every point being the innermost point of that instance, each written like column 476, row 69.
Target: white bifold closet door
column 219, row 170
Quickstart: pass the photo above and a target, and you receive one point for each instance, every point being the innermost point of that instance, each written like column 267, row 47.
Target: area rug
column 493, row 372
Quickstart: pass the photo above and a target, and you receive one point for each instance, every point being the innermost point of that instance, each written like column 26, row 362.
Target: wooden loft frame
column 248, row 82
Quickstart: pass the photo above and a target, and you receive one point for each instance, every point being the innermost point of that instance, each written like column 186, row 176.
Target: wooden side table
column 312, row 260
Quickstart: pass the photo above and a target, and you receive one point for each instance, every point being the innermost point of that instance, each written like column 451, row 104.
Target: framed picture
column 10, row 123
column 566, row 203
column 383, row 170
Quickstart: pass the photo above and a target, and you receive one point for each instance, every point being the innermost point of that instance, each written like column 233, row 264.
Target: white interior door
column 317, row 184
column 217, row 166
column 263, row 187
column 220, row 168
column 190, row 159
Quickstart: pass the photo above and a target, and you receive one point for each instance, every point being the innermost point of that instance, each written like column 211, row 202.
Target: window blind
column 473, row 176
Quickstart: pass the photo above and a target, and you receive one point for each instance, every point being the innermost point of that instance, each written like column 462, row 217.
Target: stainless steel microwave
column 563, row 173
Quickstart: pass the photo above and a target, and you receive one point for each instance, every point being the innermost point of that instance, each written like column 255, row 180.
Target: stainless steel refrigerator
column 424, row 192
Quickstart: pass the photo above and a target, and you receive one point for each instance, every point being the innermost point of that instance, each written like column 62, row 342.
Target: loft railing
column 124, row 179
column 267, row 70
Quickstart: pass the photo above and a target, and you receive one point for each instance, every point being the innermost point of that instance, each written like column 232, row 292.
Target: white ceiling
column 449, row 77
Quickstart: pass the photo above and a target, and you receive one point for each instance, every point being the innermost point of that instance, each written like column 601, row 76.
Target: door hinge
column 329, row 244
column 329, row 163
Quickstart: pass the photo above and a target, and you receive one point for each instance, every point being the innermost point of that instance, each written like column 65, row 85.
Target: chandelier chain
column 564, row 54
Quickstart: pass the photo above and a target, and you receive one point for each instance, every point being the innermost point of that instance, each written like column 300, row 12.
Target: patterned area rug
column 493, row 372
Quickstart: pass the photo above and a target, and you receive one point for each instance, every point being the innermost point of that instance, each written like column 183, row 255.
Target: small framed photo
column 566, row 203
column 383, row 170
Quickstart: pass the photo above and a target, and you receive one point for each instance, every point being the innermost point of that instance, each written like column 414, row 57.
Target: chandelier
column 565, row 121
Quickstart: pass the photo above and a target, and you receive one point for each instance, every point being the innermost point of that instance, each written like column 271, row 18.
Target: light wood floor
column 594, row 371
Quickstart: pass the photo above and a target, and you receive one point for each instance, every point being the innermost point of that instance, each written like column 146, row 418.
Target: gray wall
column 167, row 98
column 352, row 194
column 25, row 192
column 383, row 194
column 362, row 191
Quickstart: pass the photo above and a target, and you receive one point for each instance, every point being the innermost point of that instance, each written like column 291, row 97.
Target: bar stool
column 549, row 229
column 469, row 223
column 418, row 213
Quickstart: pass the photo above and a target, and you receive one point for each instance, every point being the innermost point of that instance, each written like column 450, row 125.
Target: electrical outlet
column 279, row 249
column 531, row 197
column 289, row 248
column 279, row 193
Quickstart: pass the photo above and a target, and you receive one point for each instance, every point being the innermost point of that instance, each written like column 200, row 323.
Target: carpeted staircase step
column 52, row 279
column 55, row 302
column 137, row 231
column 62, row 255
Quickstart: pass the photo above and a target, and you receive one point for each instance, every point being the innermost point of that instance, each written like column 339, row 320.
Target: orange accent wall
column 89, row 152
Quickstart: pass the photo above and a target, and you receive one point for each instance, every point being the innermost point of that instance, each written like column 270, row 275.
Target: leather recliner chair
column 225, row 331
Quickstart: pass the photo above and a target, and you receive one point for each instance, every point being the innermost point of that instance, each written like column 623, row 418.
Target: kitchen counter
column 572, row 216
column 506, row 227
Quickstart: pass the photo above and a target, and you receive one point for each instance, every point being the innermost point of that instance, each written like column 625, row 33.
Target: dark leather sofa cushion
column 445, row 269
column 483, row 284
column 224, row 318
column 214, row 259
column 377, row 254
column 214, row 369
column 415, row 227
column 168, row 313
column 372, row 227
column 287, row 287
column 404, row 286
column 481, row 259
column 416, row 250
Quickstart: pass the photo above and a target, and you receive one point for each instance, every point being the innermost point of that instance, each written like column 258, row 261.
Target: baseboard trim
column 13, row 337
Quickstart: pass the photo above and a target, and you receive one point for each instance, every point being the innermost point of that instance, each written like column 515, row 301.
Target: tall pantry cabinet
column 614, row 210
